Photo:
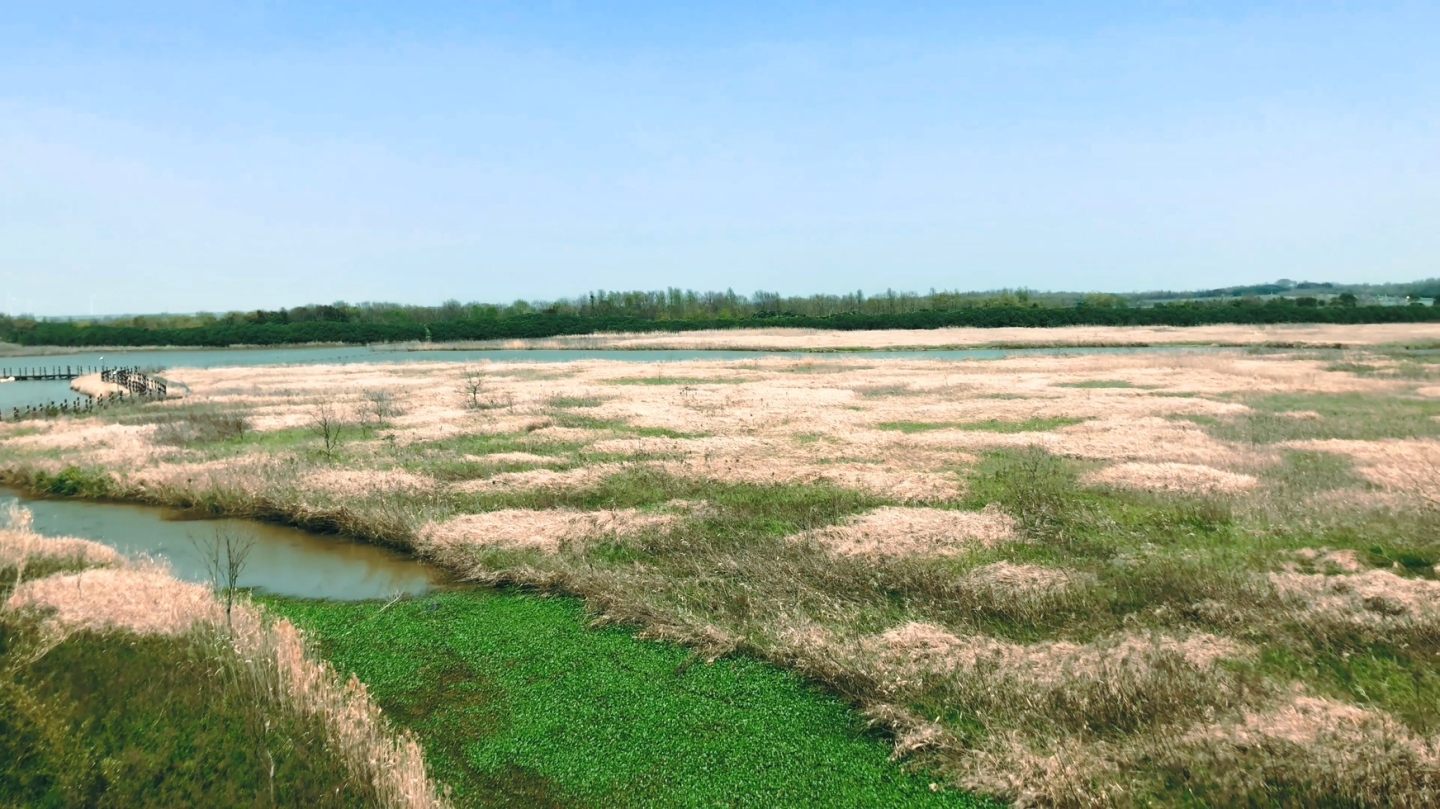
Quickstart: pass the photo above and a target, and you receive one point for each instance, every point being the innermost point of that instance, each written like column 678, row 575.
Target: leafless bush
column 224, row 556
column 326, row 424
column 475, row 384
column 382, row 405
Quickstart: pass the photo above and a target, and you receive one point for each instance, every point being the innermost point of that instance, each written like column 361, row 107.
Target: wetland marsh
column 1058, row 580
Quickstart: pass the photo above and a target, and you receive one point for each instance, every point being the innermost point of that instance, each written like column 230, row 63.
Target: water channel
column 282, row 561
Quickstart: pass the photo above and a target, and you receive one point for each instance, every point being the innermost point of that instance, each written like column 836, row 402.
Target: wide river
column 22, row 394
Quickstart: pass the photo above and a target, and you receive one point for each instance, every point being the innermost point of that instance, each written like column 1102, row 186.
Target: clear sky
column 183, row 156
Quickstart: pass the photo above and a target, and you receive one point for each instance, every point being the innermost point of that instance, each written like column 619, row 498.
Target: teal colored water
column 282, row 561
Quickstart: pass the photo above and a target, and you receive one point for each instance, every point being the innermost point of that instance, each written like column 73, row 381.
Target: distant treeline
column 653, row 312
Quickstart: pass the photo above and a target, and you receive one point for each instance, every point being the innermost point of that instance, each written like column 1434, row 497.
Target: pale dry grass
column 1375, row 603
column 1324, row 750
column 22, row 547
column 392, row 763
column 93, row 386
column 1331, row 561
column 346, row 483
column 145, row 601
column 545, row 530
column 1178, row 477
column 542, row 479
column 1023, row 582
column 918, row 647
column 907, row 531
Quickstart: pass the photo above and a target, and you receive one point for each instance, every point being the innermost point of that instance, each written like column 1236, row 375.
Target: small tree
column 224, row 558
column 474, row 383
column 326, row 424
column 382, row 405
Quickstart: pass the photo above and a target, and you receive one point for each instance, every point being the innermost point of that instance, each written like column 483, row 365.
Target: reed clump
column 235, row 665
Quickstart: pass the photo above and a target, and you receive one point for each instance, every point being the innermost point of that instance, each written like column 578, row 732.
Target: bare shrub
column 476, row 385
column 224, row 557
column 326, row 424
column 473, row 383
column 382, row 406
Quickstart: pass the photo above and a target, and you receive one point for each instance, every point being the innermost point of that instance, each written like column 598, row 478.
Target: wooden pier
column 56, row 373
column 133, row 386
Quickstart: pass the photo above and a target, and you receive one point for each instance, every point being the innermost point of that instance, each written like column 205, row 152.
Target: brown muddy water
column 282, row 561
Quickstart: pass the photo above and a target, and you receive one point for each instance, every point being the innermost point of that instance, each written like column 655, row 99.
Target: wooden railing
column 133, row 380
column 134, row 383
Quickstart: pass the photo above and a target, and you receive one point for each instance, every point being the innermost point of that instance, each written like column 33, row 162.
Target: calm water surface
column 283, row 561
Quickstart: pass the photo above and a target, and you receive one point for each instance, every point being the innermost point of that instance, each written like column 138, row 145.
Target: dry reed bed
column 999, row 627
column 142, row 598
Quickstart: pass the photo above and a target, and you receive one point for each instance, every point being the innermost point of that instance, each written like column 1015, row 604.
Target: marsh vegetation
column 1105, row 579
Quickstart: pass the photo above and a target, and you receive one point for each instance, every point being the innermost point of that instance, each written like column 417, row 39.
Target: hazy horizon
column 168, row 158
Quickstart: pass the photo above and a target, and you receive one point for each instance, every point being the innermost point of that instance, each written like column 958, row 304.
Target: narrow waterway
column 282, row 561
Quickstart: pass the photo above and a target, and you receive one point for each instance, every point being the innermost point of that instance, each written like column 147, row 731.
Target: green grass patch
column 1349, row 416
column 490, row 443
column 739, row 510
column 72, row 481
column 518, row 703
column 1357, row 368
column 1301, row 473
column 993, row 425
column 289, row 438
column 1381, row 676
column 122, row 720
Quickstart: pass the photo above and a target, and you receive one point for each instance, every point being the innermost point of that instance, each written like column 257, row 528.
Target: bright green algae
column 519, row 702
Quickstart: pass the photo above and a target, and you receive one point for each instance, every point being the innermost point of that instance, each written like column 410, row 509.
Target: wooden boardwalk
column 132, row 384
column 58, row 372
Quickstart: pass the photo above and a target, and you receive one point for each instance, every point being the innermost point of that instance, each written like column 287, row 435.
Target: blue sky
column 190, row 156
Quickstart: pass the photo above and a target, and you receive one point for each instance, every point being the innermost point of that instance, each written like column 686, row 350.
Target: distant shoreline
column 1410, row 336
